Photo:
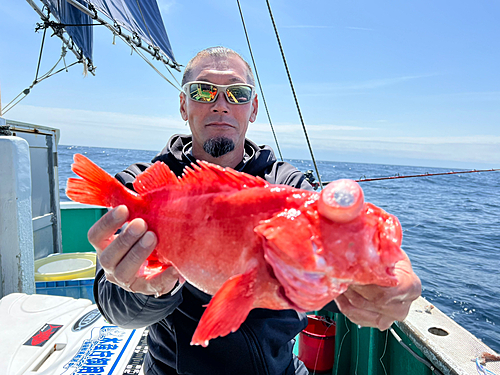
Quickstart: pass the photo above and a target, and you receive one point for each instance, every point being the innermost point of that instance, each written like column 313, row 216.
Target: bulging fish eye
column 341, row 201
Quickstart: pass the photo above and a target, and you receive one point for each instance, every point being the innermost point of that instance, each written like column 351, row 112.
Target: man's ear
column 183, row 104
column 255, row 109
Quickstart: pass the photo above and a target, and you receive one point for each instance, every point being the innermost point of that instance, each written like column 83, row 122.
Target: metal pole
column 66, row 42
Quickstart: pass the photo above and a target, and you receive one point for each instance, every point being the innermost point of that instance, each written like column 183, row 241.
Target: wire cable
column 172, row 74
column 40, row 55
column 150, row 64
column 145, row 23
column 294, row 95
column 258, row 80
column 38, row 78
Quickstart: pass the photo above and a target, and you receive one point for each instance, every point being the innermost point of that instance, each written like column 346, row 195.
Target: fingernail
column 120, row 213
column 148, row 239
column 137, row 227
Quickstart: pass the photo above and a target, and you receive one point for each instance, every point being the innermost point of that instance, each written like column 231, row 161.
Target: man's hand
column 379, row 307
column 122, row 255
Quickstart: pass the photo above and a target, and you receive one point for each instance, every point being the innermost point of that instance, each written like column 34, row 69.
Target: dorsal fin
column 212, row 176
column 155, row 177
column 204, row 177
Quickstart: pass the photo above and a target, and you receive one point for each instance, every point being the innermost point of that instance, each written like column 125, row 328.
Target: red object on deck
column 317, row 343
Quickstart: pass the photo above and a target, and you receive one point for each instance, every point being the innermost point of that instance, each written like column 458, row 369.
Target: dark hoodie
column 262, row 345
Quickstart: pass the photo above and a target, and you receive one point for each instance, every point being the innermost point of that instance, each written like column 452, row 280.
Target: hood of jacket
column 256, row 160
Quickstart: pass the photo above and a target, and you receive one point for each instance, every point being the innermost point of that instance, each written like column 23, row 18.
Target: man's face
column 219, row 119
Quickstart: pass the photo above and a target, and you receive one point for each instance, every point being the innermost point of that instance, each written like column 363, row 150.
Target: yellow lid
column 66, row 266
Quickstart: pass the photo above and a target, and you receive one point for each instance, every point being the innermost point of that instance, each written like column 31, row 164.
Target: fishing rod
column 364, row 179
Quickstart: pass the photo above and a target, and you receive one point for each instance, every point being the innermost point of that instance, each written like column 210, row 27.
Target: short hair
column 218, row 52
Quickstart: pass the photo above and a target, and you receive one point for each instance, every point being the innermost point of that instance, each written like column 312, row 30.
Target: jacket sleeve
column 127, row 309
column 131, row 310
column 283, row 173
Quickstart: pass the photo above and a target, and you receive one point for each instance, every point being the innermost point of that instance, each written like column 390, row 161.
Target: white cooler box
column 52, row 335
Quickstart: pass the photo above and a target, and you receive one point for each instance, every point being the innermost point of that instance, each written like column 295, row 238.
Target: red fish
column 43, row 336
column 251, row 244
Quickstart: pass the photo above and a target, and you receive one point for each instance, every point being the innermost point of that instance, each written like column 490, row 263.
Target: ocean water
column 451, row 228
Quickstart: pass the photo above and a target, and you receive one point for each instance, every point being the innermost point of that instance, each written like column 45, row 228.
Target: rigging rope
column 172, row 74
column 40, row 56
column 145, row 23
column 150, row 64
column 38, row 79
column 258, row 80
column 293, row 91
column 383, row 354
column 59, row 25
column 481, row 370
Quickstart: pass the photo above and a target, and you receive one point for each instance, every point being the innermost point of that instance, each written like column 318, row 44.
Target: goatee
column 217, row 147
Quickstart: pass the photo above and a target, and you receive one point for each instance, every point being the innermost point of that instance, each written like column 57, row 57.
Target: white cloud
column 318, row 89
column 165, row 5
column 108, row 129
column 103, row 129
column 487, row 96
column 359, row 28
column 293, row 128
column 332, row 140
column 376, row 83
column 306, row 27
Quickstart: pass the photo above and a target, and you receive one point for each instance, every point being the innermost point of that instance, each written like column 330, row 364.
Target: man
column 218, row 119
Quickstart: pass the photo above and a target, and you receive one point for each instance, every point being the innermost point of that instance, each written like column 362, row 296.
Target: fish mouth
column 306, row 290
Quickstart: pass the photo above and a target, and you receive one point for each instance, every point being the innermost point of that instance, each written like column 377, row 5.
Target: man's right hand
column 121, row 255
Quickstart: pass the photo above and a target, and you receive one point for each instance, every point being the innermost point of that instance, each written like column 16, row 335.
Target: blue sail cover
column 138, row 16
column 68, row 15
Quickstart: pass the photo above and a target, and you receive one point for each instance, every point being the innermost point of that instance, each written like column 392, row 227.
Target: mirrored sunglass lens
column 239, row 94
column 202, row 92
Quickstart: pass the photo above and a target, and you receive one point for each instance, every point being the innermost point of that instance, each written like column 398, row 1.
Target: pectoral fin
column 293, row 238
column 295, row 252
column 228, row 308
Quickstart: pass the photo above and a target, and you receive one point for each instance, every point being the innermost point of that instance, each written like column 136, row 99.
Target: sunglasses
column 206, row 92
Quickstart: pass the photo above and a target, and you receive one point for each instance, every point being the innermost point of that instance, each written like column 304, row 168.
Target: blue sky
column 412, row 83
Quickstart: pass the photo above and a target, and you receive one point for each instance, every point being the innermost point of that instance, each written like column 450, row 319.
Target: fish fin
column 204, row 177
column 96, row 186
column 154, row 178
column 208, row 176
column 228, row 308
column 294, row 250
column 293, row 239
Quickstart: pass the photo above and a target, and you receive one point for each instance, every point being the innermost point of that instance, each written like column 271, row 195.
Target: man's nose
column 221, row 104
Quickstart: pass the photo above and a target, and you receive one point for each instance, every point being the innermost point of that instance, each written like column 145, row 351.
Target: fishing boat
column 426, row 342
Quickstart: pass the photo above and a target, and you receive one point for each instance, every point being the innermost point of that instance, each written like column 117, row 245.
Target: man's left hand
column 379, row 307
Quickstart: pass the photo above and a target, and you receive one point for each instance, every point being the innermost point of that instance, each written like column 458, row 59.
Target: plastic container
column 57, row 267
column 52, row 335
column 317, row 344
column 82, row 288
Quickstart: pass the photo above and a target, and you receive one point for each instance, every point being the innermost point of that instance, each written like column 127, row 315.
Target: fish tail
column 96, row 186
